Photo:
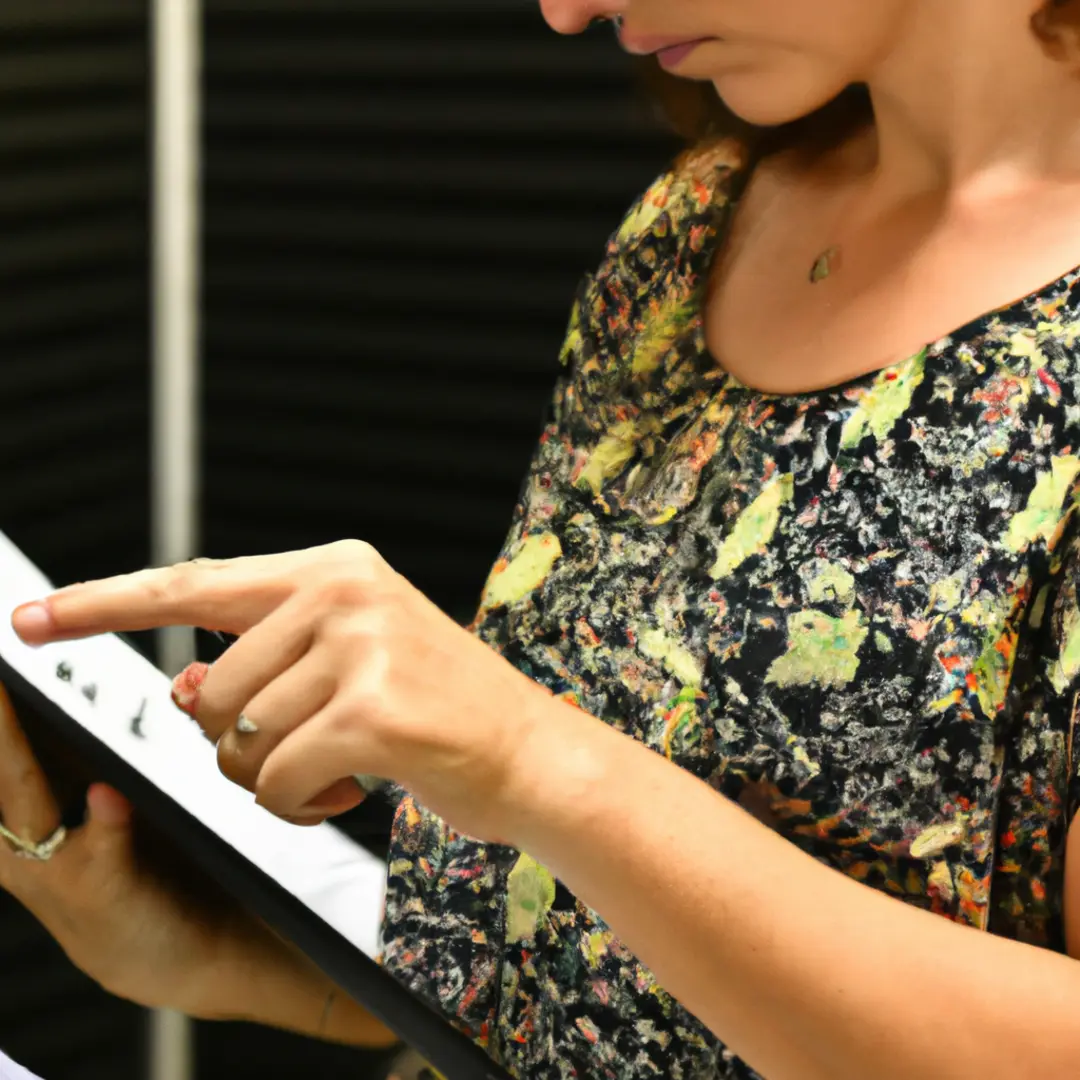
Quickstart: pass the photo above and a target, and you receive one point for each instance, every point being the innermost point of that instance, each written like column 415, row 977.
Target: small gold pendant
column 824, row 265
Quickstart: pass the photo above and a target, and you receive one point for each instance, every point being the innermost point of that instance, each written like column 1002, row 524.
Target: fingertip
column 107, row 805
column 187, row 686
column 33, row 622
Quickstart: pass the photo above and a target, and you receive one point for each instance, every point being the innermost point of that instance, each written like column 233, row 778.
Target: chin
column 760, row 102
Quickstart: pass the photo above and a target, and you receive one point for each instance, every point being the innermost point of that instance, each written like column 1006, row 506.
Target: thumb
column 106, row 840
column 109, row 813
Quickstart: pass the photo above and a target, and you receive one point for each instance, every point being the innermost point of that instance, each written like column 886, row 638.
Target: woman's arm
column 802, row 971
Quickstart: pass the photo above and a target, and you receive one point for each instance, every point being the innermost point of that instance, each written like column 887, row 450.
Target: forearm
column 264, row 981
column 802, row 971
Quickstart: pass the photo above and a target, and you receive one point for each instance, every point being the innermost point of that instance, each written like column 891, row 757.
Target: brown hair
column 1057, row 26
column 695, row 112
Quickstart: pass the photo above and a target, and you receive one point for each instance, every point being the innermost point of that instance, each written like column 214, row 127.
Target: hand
column 341, row 666
column 156, row 944
column 114, row 920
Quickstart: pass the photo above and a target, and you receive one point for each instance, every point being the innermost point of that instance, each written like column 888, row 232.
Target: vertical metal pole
column 176, row 63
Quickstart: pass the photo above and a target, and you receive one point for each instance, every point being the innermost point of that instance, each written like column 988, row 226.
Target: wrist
column 259, row 978
column 562, row 761
column 249, row 977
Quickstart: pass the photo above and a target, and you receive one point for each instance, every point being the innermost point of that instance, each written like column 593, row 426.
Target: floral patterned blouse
column 854, row 609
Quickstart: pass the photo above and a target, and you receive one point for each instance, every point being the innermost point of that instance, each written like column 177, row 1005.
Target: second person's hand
column 142, row 936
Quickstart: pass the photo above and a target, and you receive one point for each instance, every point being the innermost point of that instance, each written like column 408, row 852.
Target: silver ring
column 246, row 726
column 26, row 849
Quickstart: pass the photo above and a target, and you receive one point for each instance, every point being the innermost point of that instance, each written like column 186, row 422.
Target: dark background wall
column 400, row 199
column 73, row 281
column 74, row 474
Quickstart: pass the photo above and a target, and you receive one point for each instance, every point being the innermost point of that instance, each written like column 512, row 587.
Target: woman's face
column 771, row 60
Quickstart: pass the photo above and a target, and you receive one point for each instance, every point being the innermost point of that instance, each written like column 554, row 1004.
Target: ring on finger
column 246, row 726
column 38, row 852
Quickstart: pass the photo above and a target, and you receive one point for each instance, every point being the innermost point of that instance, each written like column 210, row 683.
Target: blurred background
column 398, row 200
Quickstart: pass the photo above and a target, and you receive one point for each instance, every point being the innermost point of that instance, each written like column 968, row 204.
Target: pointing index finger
column 217, row 595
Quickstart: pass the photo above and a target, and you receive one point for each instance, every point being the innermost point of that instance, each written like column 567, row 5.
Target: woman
column 785, row 630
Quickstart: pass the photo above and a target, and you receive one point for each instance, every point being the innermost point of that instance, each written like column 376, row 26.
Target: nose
column 573, row 16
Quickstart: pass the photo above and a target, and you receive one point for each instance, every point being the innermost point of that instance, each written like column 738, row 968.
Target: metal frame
column 176, row 52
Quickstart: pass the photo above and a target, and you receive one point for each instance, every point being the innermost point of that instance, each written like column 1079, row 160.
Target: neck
column 968, row 104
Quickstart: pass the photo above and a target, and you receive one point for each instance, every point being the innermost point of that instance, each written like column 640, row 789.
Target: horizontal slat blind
column 73, row 282
column 73, row 382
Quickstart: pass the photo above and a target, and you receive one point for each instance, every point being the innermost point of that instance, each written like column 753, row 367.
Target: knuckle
column 358, row 550
column 336, row 590
column 171, row 585
column 366, row 700
column 367, row 630
column 360, row 560
column 354, row 575
column 340, row 724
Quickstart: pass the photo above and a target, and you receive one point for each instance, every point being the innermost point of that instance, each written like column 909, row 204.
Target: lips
column 674, row 55
column 655, row 46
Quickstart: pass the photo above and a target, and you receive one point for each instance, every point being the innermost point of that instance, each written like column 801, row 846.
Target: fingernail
column 32, row 620
column 186, row 687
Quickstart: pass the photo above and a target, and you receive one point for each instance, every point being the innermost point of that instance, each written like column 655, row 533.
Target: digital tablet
column 316, row 887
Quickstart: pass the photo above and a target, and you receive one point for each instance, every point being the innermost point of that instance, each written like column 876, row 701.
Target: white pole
column 176, row 64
